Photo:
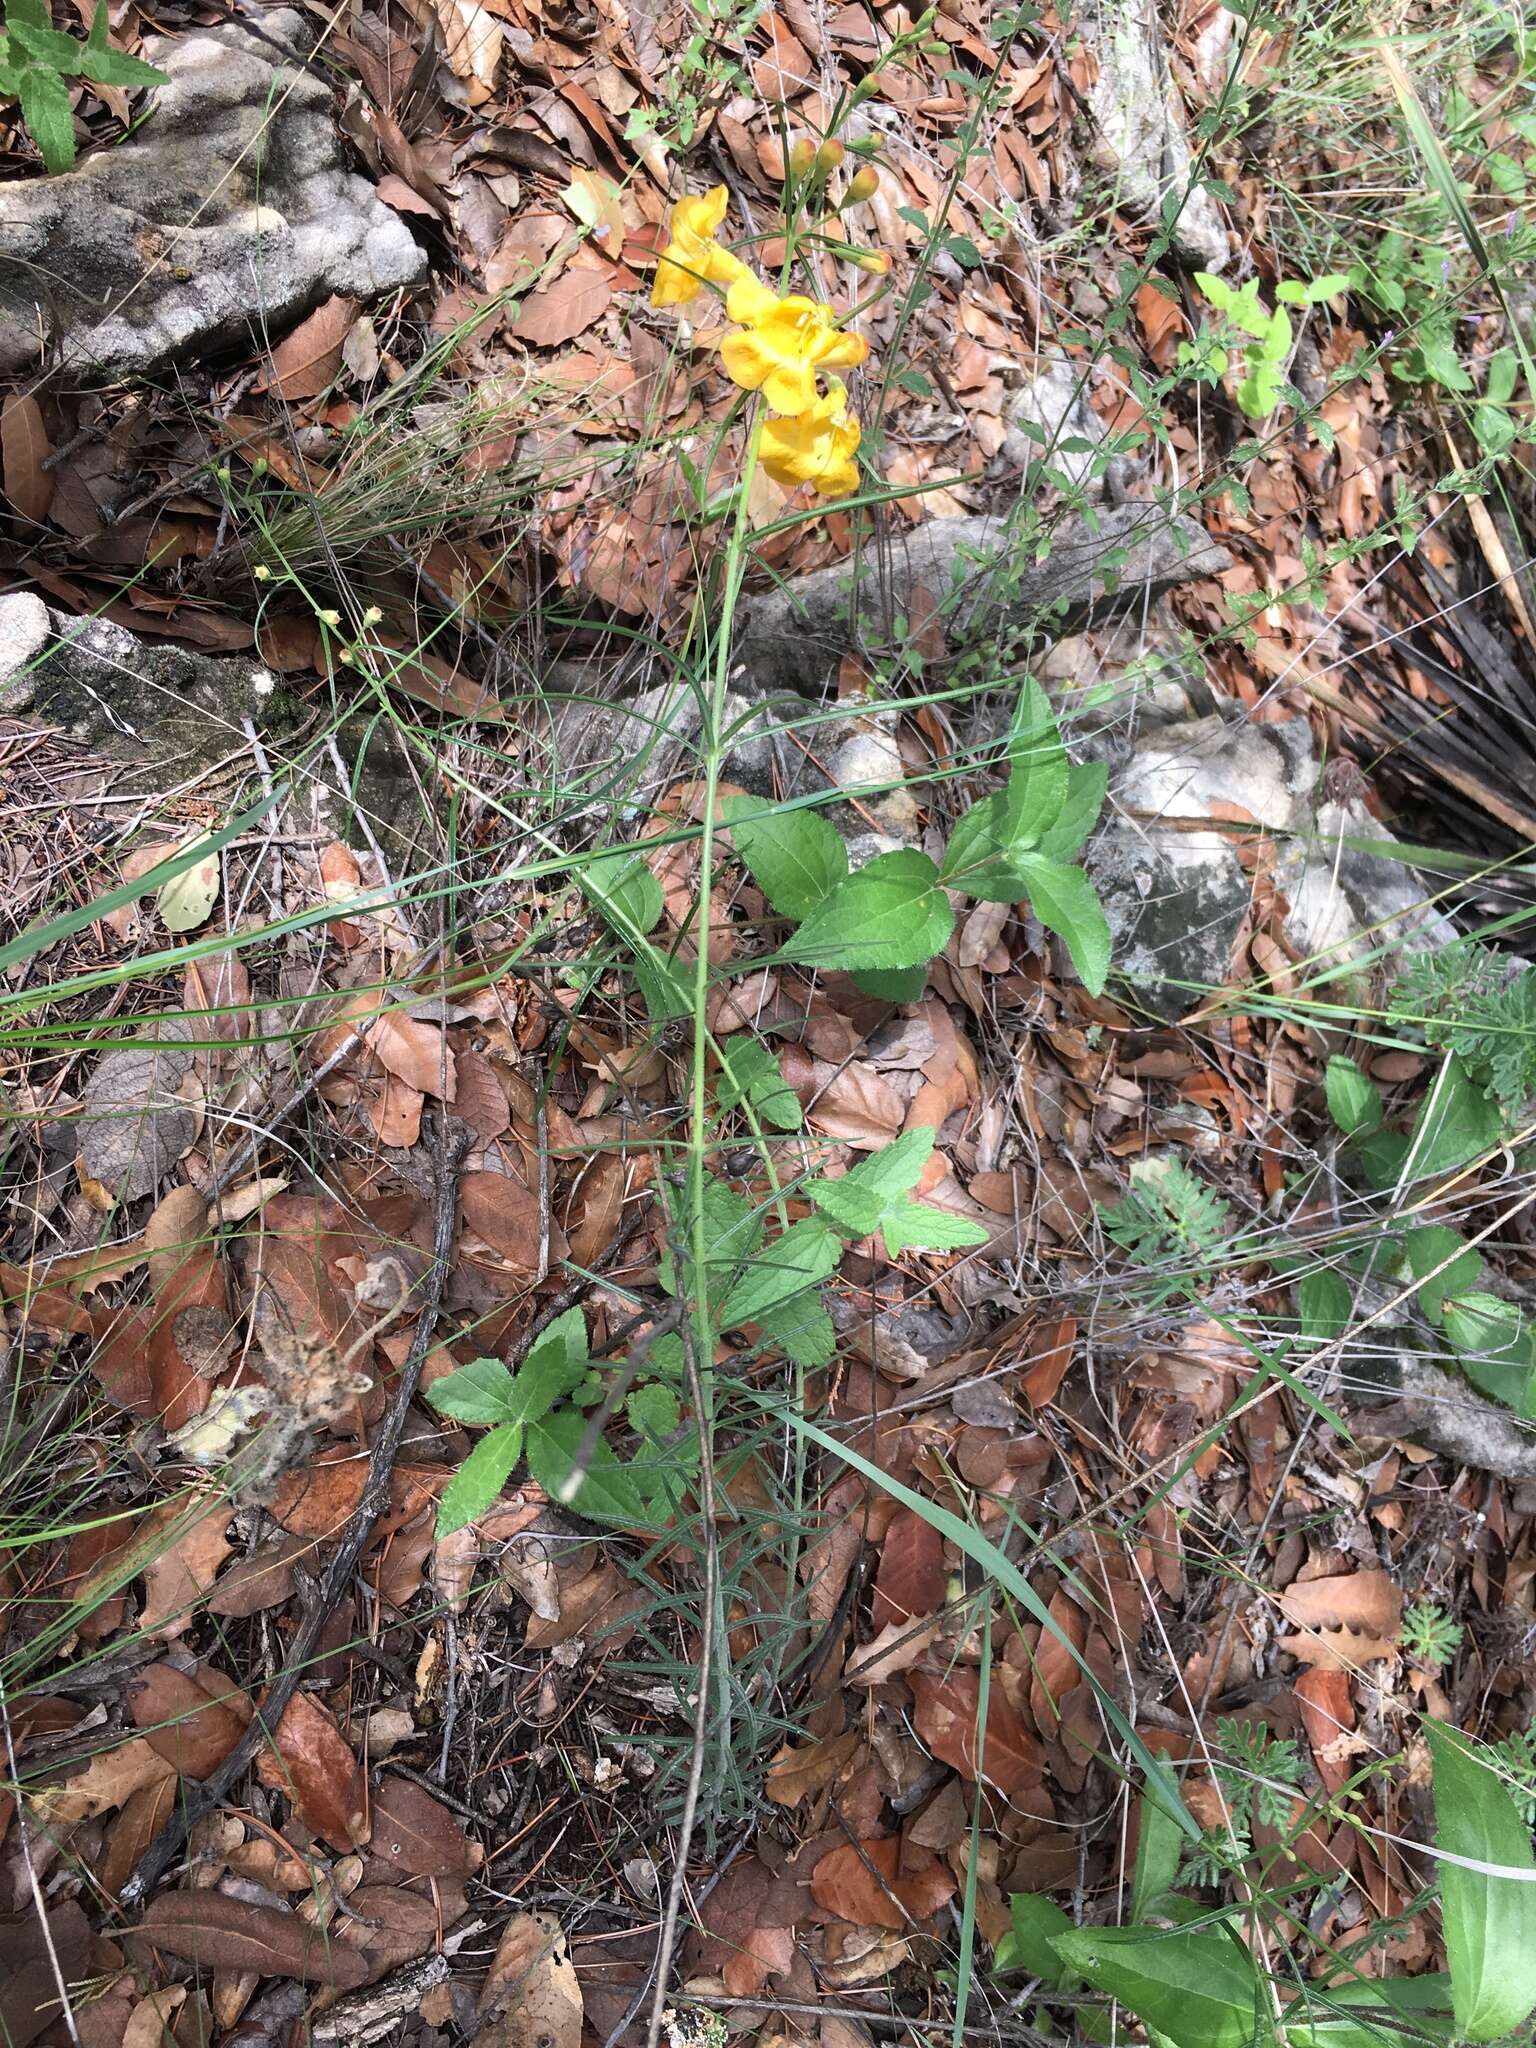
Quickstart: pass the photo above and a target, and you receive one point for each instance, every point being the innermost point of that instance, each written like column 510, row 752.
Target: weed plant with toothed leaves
column 36, row 62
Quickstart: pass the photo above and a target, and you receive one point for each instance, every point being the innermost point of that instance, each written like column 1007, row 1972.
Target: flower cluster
column 777, row 346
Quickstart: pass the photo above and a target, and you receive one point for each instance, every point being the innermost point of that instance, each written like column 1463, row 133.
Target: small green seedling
column 35, row 60
column 1270, row 335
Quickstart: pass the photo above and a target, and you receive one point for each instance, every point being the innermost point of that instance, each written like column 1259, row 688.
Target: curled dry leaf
column 415, row 1052
column 945, row 1717
column 24, row 448
column 177, row 1574
column 308, row 359
column 532, row 1997
column 416, row 1833
column 845, row 1887
column 392, row 1926
column 109, row 1780
column 795, row 1774
column 231, row 1934
column 319, row 1773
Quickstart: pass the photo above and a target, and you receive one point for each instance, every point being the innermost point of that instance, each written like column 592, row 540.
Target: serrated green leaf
column 1087, row 782
column 1066, row 902
column 733, row 1230
column 979, row 856
column 479, row 1480
column 919, row 1227
column 49, row 117
column 1038, row 781
column 800, row 1258
column 751, row 1074
column 607, row 1492
column 891, row 913
column 796, row 857
column 45, row 46
column 654, row 1411
column 1490, row 1922
column 899, row 985
column 1354, row 1102
column 115, row 67
column 1201, row 1990
column 802, row 1330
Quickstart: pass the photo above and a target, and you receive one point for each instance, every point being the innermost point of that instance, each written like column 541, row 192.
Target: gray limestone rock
column 1175, row 894
column 972, row 569
column 227, row 211
column 1046, row 413
column 1395, row 1388
column 1139, row 126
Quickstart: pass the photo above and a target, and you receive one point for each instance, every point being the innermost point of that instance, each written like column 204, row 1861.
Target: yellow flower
column 782, row 344
column 693, row 257
column 817, row 448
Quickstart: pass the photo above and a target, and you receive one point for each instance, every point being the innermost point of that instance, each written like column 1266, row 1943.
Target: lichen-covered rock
column 1175, row 894
column 1140, row 140
column 229, row 211
column 974, row 572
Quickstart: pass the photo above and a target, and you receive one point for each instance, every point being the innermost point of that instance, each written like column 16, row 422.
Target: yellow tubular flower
column 817, row 448
column 782, row 344
column 693, row 257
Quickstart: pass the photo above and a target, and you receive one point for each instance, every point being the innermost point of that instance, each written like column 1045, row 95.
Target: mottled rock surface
column 228, row 211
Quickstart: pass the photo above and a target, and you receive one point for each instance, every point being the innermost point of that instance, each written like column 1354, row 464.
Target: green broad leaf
column 481, row 1392
column 980, row 855
column 1035, row 1922
column 797, row 858
column 1354, row 1102
column 479, row 1480
column 106, row 66
column 33, row 12
column 805, row 1254
column 1430, row 1246
column 1201, row 1990
column 654, row 1411
column 1361, row 2014
column 45, row 45
column 751, row 1074
column 891, row 913
column 1381, row 1157
column 624, row 890
column 1160, row 1846
column 919, row 1227
column 607, row 1492
column 857, row 1201
column 1066, row 903
column 1490, row 1921
column 1038, row 783
column 732, row 1230
column 1087, row 782
column 49, row 117
column 1325, row 1303
column 899, row 985
column 1486, row 1326
column 1456, row 1121
column 10, row 74
column 802, row 1330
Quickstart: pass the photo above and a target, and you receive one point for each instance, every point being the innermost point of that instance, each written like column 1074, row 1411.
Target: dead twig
column 199, row 1800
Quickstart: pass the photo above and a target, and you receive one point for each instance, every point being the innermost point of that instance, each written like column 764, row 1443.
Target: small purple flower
column 1509, row 226
column 1445, row 268
column 1389, row 337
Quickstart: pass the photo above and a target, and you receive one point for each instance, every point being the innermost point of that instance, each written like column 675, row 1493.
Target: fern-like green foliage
column 1469, row 1000
column 1169, row 1218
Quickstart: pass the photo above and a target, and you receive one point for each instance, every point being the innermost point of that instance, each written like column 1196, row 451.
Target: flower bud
column 262, row 573
column 802, row 156
column 864, row 184
column 329, row 618
column 372, row 616
column 875, row 261
column 828, row 157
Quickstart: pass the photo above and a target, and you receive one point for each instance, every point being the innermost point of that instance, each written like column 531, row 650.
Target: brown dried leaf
column 109, row 1780
column 1365, row 1600
column 230, row 1934
column 24, row 448
column 795, row 1774
column 912, row 1579
column 176, row 1226
column 306, row 362
column 1337, row 1649
column 416, row 1053
column 193, row 1721
column 393, row 1926
column 134, row 1126
column 319, row 1773
column 896, row 1648
column 532, row 1997
column 418, row 1835
column 1050, row 1354
column 504, row 1214
column 844, row 1887
column 479, row 1097
column 177, row 1576
column 945, row 1718
column 32, row 1960
column 858, row 1105
column 599, row 1205
column 560, row 311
